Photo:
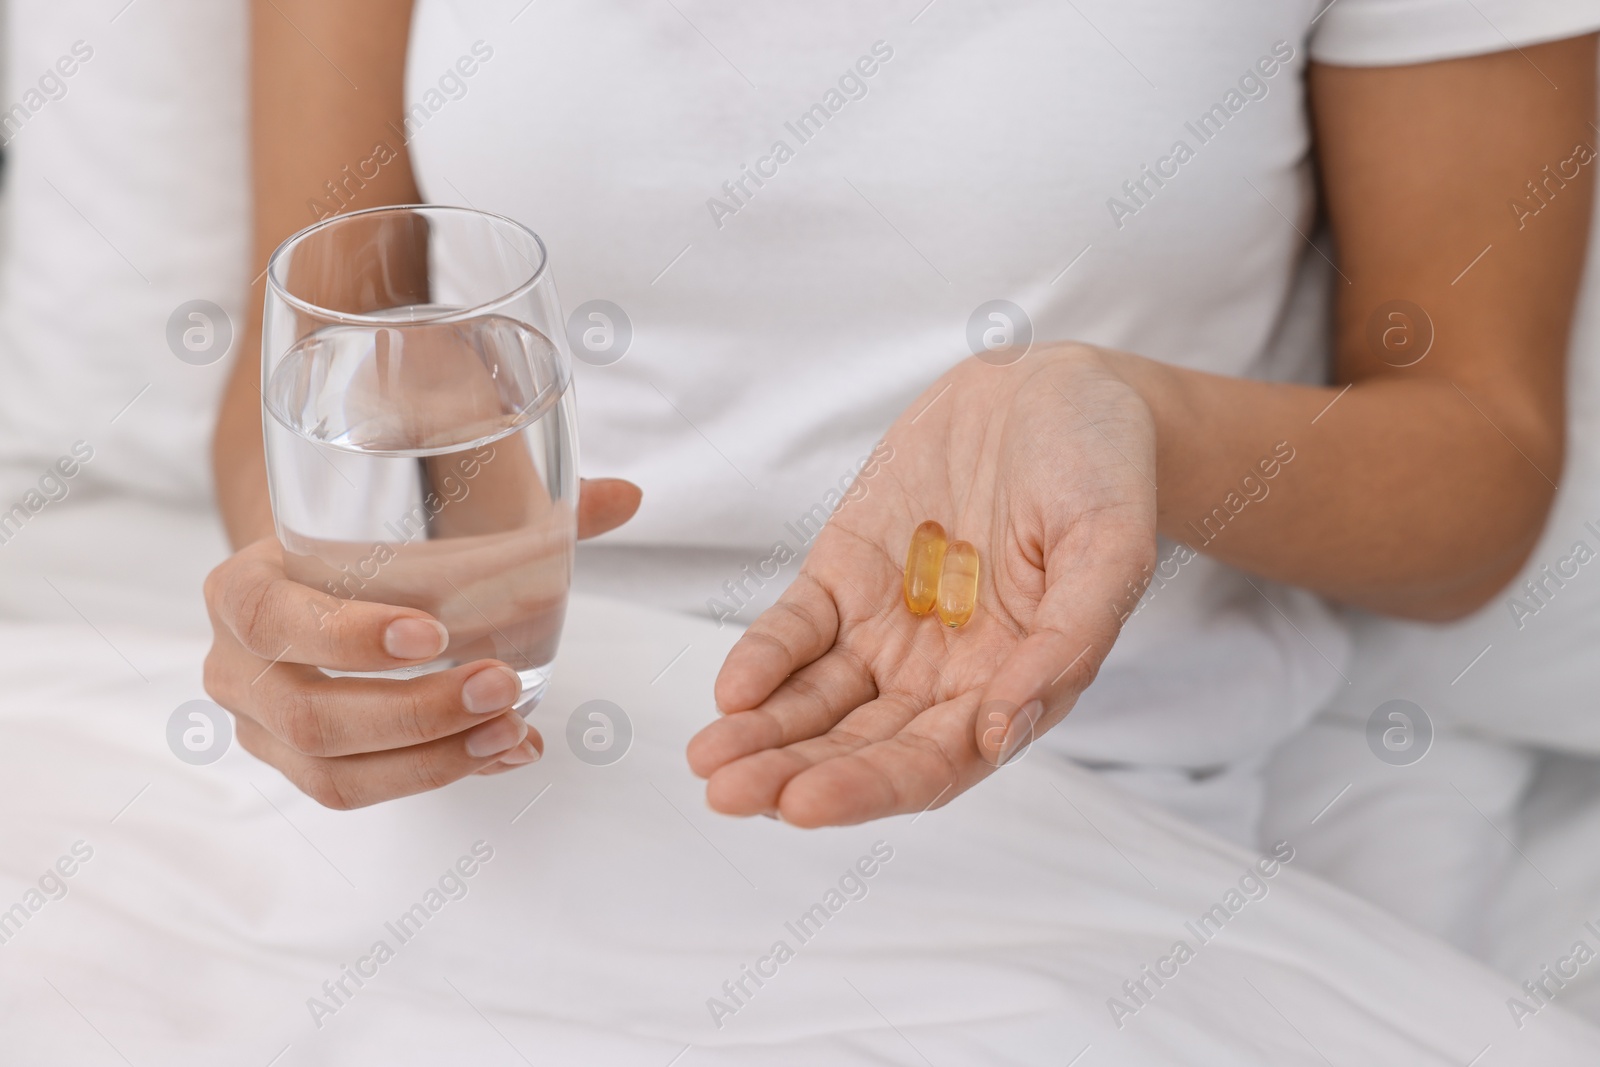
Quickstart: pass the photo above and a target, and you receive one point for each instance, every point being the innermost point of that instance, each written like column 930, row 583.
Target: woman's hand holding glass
column 351, row 741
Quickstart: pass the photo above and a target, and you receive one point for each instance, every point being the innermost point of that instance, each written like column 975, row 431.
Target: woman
column 809, row 215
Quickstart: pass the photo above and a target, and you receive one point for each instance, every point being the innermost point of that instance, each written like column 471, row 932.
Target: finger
column 797, row 629
column 279, row 619
column 810, row 702
column 753, row 784
column 604, row 504
column 1086, row 600
column 354, row 781
column 321, row 716
column 930, row 761
column 521, row 756
column 497, row 767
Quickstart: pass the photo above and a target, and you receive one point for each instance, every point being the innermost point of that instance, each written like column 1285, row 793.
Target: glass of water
column 420, row 436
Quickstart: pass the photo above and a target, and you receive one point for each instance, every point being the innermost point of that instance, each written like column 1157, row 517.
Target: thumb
column 604, row 504
column 1090, row 592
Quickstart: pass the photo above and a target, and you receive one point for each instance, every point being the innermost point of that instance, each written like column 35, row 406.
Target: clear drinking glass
column 420, row 435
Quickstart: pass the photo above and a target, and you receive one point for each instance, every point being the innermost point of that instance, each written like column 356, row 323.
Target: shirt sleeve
column 1374, row 33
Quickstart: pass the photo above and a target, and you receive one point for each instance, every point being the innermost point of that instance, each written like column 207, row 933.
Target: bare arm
column 327, row 86
column 1421, row 490
column 1418, row 492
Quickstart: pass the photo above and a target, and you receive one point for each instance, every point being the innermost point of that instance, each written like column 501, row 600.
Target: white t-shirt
column 800, row 210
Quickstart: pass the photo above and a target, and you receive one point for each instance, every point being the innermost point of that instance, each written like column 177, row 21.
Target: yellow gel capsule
column 958, row 584
column 923, row 560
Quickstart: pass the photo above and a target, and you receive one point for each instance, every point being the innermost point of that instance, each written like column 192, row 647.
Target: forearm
column 238, row 461
column 1417, row 497
column 315, row 139
column 1419, row 483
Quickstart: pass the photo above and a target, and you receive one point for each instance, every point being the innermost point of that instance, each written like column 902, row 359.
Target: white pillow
column 125, row 197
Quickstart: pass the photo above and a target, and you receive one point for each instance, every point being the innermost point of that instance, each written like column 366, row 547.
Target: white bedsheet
column 218, row 900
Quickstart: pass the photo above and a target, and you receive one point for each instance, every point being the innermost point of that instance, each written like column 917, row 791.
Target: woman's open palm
column 840, row 705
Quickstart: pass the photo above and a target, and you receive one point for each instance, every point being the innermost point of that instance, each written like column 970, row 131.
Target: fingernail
column 415, row 638
column 523, row 753
column 491, row 689
column 1020, row 732
column 493, row 738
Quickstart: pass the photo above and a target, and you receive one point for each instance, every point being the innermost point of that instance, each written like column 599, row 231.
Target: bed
column 154, row 910
column 215, row 914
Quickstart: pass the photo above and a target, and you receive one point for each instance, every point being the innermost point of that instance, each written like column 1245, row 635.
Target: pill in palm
column 958, row 584
column 924, row 561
